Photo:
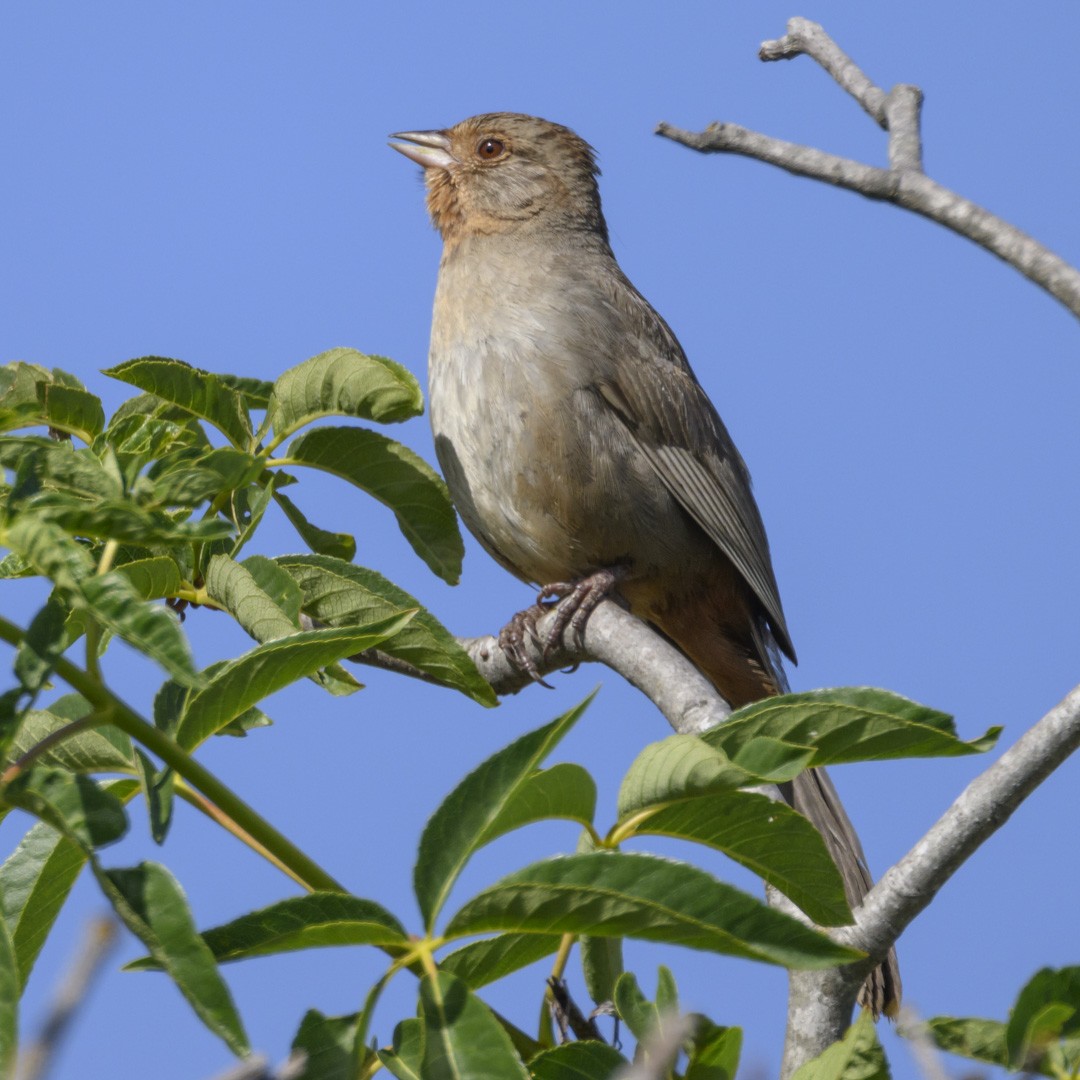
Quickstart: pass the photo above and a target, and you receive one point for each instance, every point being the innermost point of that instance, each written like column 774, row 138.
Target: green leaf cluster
column 1041, row 1036
column 136, row 519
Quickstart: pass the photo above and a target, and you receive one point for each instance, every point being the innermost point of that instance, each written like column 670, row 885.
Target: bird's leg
column 576, row 601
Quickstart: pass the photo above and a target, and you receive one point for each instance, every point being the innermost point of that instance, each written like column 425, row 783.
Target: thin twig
column 903, row 183
column 810, row 38
column 256, row 1067
column 98, row 941
column 917, row 1035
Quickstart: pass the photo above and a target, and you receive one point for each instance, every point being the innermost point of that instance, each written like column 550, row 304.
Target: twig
column 926, row 1054
column 656, row 1057
column 568, row 1016
column 613, row 637
column 903, row 183
column 257, row 1067
column 99, row 939
column 981, row 809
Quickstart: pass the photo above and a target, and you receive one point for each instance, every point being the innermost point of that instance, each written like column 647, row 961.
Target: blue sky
column 211, row 182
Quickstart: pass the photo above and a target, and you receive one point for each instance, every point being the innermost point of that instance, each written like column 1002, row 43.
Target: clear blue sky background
column 211, row 182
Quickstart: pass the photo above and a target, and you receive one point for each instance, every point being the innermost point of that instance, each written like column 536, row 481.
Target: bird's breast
column 541, row 470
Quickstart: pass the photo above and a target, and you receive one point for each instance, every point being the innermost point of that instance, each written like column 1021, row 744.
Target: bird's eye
column 490, row 149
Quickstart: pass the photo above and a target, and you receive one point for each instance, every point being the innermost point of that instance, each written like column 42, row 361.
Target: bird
column 577, row 443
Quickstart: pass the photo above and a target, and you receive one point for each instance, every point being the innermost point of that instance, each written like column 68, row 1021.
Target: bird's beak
column 428, row 148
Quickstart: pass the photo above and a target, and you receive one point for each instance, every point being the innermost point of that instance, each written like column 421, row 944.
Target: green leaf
column 483, row 962
column 14, row 566
column 462, row 1039
column 197, row 391
column 714, row 1052
column 342, row 382
column 585, row 1060
column 970, row 1037
column 406, row 1060
column 602, row 966
column 667, row 996
column 247, row 721
column 316, row 920
column 858, row 1056
column 73, row 803
column 849, row 724
column 601, row 957
column 110, row 598
column 635, row 1010
column 103, row 749
column 243, row 682
column 191, row 477
column 10, row 990
column 42, row 643
column 773, row 760
column 153, row 578
column 642, row 896
column 395, row 476
column 247, row 506
column 152, row 905
column 235, row 588
column 255, row 392
column 327, row 1042
column 765, row 836
column 36, row 880
column 564, row 791
column 32, row 395
column 116, row 519
column 279, row 585
column 334, row 544
column 338, row 593
column 1046, row 1010
column 157, row 786
column 70, row 409
column 462, row 824
column 675, row 768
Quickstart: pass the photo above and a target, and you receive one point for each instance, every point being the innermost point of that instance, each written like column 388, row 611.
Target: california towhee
column 577, row 443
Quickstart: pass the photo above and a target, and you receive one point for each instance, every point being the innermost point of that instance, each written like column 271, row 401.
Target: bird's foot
column 575, row 602
column 512, row 638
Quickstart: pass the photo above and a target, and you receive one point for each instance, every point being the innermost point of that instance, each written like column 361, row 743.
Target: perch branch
column 904, row 183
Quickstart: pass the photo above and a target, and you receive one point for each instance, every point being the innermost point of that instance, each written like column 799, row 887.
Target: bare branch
column 257, row 1067
column 98, row 941
column 903, row 183
column 613, row 637
column 981, row 809
column 804, row 36
column 820, row 1002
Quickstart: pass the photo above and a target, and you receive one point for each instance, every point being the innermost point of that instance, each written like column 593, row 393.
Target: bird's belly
column 544, row 476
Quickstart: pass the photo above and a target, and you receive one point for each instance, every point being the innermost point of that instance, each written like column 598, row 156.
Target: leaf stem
column 20, row 764
column 123, row 716
column 201, row 803
column 93, row 627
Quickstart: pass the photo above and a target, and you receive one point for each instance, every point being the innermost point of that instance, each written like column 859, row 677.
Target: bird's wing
column 666, row 412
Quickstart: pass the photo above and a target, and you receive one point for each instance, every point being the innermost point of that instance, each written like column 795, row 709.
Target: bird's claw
column 575, row 602
column 512, row 642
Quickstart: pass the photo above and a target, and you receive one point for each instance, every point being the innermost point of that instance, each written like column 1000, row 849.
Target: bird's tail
column 813, row 795
column 746, row 667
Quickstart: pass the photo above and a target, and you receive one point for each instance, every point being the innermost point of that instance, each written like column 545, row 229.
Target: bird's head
column 506, row 171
